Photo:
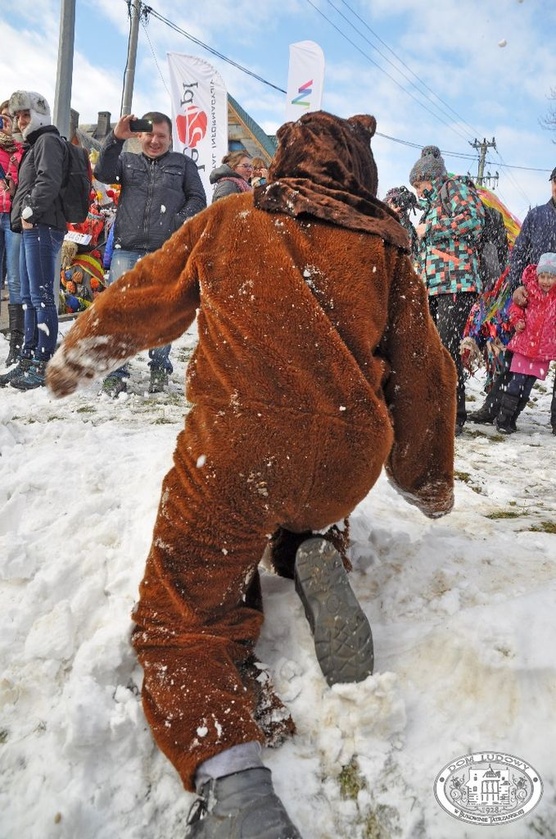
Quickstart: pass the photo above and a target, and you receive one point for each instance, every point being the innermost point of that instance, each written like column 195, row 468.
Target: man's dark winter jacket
column 537, row 236
column 40, row 179
column 158, row 194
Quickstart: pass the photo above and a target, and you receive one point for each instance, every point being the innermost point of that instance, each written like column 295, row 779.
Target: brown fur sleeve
column 149, row 306
column 421, row 396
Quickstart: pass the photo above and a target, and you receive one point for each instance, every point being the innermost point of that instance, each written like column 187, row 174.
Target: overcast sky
column 445, row 72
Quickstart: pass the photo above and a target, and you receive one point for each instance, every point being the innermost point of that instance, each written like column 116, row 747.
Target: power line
column 149, row 10
column 382, row 70
column 462, row 155
column 146, row 10
column 146, row 31
column 396, row 68
column 400, row 60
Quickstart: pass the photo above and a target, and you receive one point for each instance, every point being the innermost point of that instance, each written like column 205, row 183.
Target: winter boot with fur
column 15, row 323
column 341, row 631
column 508, row 414
column 240, row 806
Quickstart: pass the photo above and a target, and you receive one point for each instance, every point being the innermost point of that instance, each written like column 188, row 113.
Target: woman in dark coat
column 233, row 176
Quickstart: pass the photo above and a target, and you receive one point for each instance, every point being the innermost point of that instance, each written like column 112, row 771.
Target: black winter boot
column 490, row 408
column 32, row 377
column 15, row 322
column 17, row 371
column 484, row 415
column 341, row 631
column 508, row 414
column 240, row 806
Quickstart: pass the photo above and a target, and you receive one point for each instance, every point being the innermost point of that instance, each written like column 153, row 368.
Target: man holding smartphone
column 160, row 189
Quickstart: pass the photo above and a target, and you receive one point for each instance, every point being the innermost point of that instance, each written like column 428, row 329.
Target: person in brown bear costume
column 317, row 364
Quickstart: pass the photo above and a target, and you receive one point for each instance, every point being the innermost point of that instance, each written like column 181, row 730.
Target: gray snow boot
column 240, row 806
column 342, row 633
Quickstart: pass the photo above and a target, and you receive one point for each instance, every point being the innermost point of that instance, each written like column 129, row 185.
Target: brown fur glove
column 434, row 500
column 64, row 375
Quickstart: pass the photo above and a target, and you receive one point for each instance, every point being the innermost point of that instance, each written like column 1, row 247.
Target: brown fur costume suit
column 317, row 364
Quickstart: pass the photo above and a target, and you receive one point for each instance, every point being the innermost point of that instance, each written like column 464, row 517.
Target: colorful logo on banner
column 305, row 79
column 304, row 91
column 199, row 113
column 191, row 125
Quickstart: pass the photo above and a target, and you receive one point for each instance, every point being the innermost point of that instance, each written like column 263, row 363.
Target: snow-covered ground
column 462, row 608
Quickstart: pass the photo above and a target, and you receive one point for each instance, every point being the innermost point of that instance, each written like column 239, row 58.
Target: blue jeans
column 37, row 269
column 9, row 244
column 121, row 262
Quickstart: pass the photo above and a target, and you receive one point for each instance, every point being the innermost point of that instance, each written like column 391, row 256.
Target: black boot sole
column 342, row 634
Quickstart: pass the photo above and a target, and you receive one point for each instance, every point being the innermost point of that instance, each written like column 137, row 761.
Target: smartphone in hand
column 138, row 125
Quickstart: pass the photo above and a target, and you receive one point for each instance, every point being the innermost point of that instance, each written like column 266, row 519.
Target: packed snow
column 462, row 610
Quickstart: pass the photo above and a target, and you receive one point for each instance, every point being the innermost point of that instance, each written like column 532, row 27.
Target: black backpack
column 494, row 250
column 75, row 193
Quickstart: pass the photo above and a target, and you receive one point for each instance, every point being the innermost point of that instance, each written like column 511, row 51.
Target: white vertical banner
column 199, row 113
column 305, row 79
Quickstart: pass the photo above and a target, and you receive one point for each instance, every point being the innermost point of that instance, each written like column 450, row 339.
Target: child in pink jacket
column 534, row 342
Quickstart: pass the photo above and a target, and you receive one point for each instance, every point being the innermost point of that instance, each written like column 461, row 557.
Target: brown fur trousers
column 317, row 365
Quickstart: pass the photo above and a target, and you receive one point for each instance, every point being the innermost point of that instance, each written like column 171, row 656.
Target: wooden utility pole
column 64, row 74
column 482, row 148
column 134, row 8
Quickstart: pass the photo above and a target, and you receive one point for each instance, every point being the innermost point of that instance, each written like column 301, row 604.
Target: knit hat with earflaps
column 429, row 167
column 547, row 264
column 36, row 104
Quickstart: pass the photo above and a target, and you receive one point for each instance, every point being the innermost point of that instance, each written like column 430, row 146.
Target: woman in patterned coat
column 448, row 259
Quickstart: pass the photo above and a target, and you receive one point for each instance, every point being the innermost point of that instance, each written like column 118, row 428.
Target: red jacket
column 538, row 339
column 10, row 163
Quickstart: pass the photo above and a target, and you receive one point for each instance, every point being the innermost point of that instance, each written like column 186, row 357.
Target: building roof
column 243, row 129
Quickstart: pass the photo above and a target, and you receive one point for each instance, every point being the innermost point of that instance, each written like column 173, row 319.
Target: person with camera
column 160, row 189
column 404, row 202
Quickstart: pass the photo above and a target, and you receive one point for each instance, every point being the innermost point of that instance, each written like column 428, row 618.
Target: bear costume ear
column 284, row 130
column 365, row 122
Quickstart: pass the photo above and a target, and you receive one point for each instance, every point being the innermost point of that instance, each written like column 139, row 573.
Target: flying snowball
column 502, row 43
